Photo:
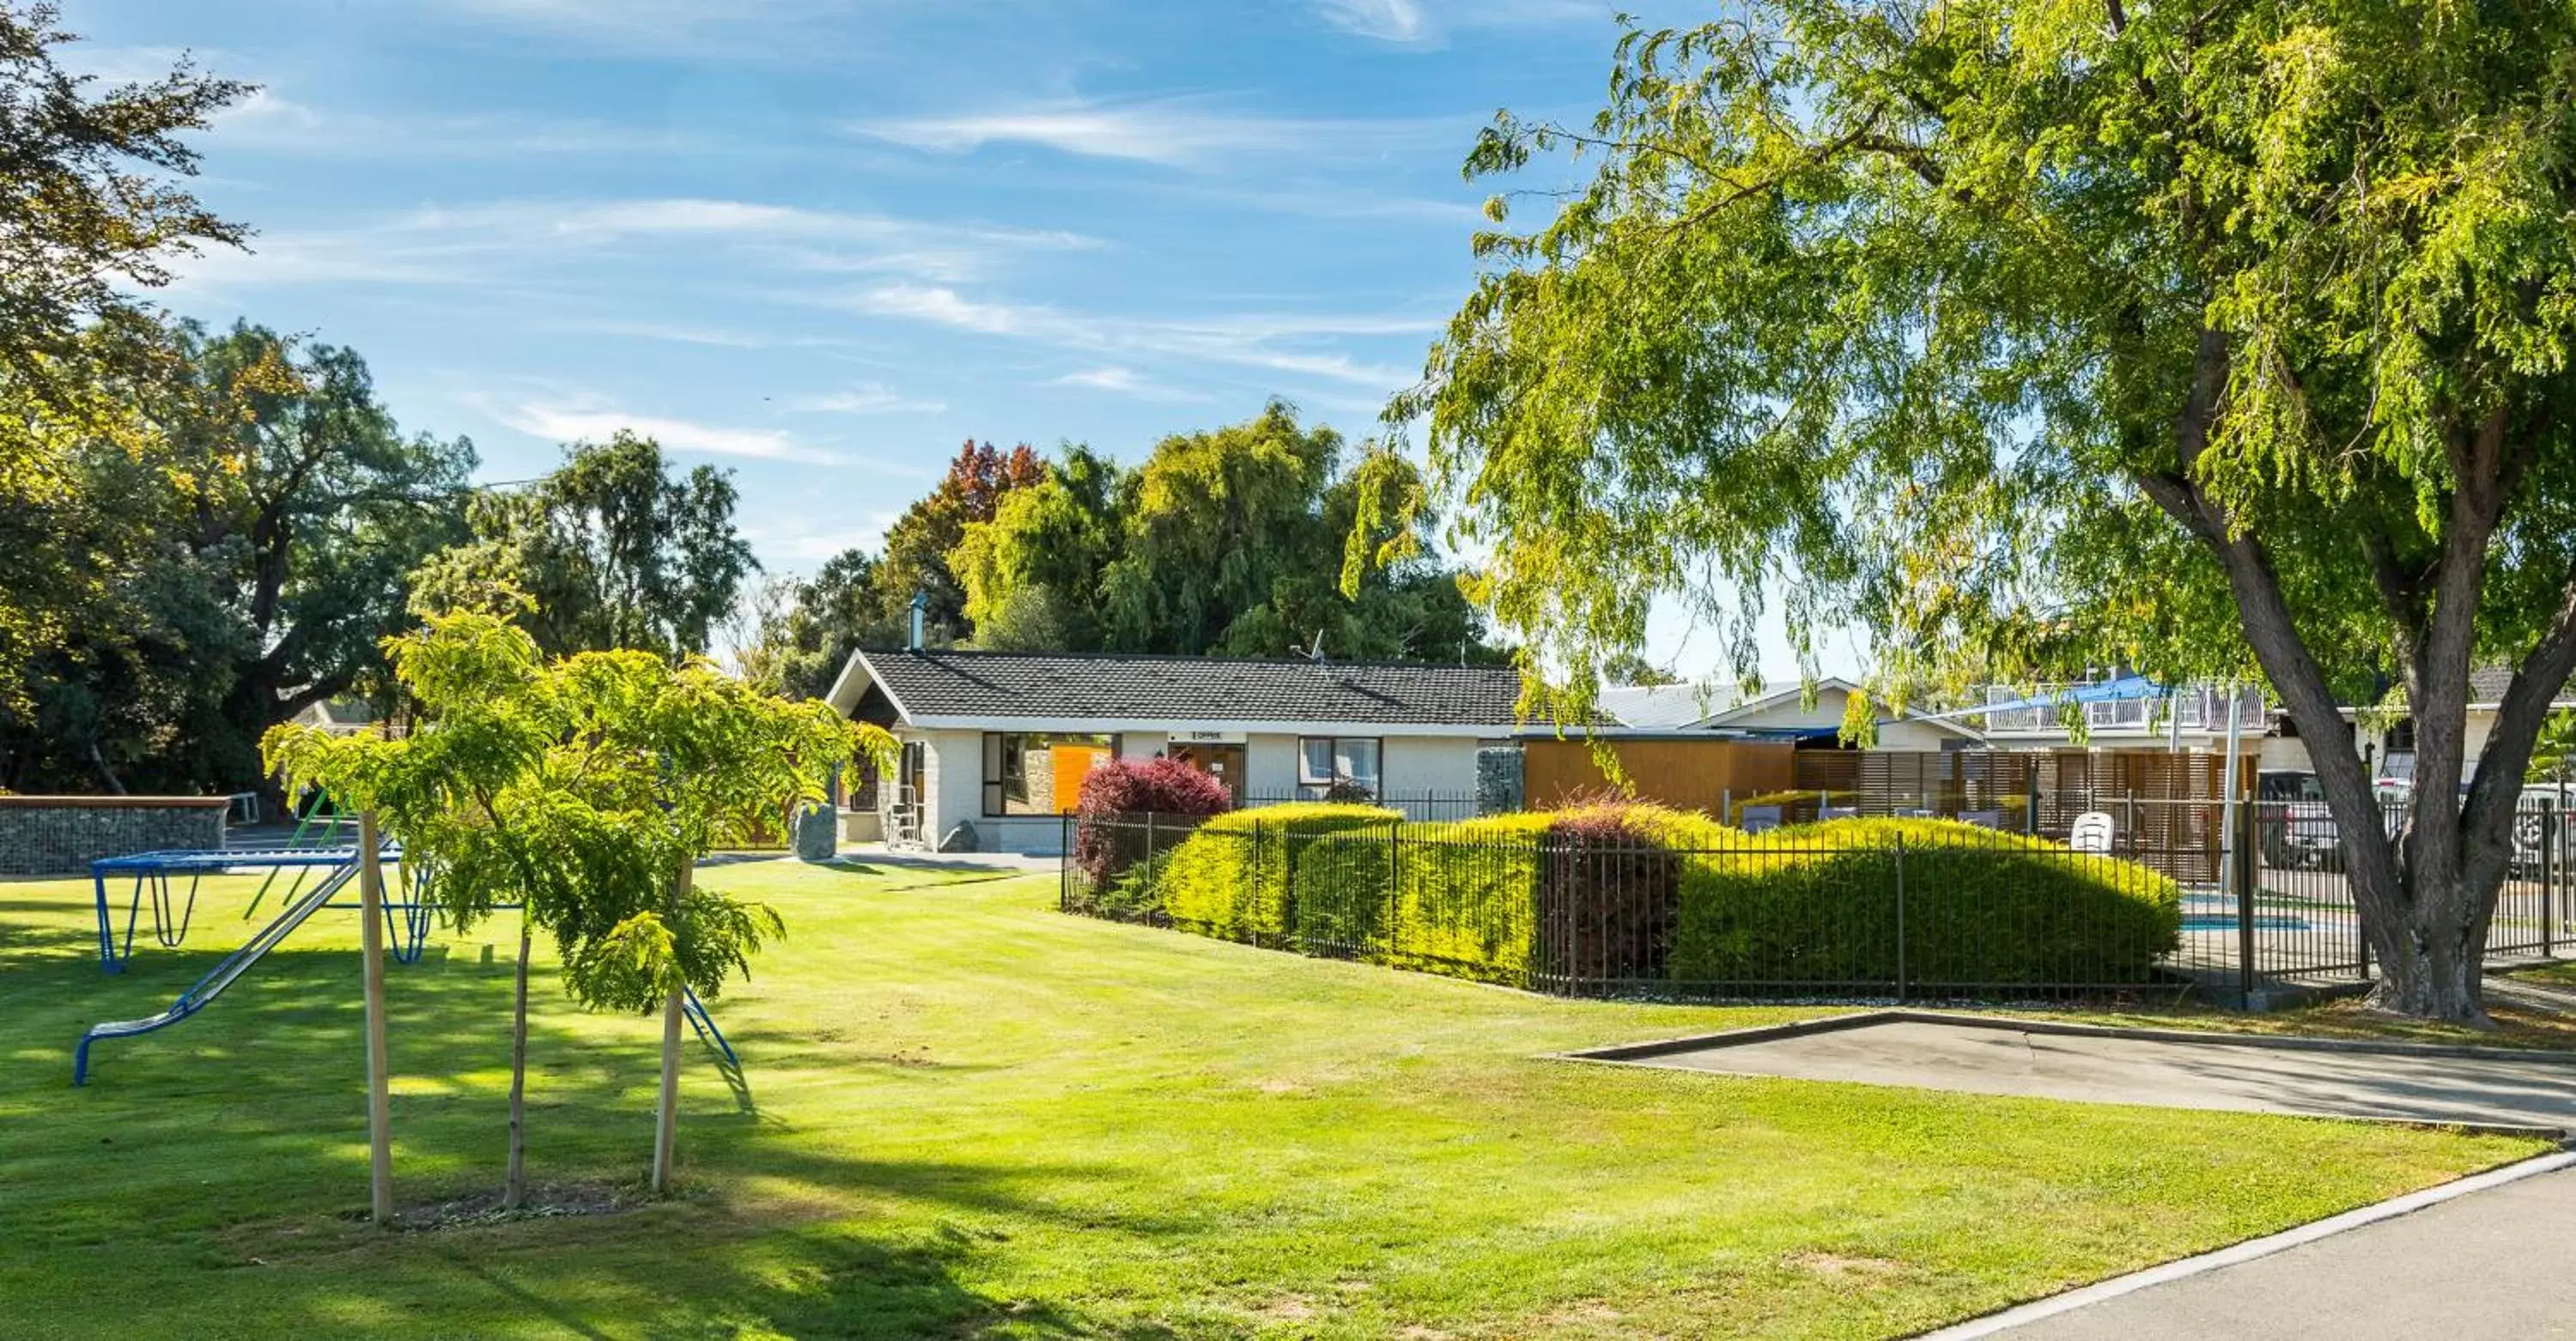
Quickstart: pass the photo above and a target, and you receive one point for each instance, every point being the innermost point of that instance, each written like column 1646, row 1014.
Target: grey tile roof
column 996, row 685
column 2487, row 685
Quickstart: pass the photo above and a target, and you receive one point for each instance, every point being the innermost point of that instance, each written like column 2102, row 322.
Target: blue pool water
column 2227, row 922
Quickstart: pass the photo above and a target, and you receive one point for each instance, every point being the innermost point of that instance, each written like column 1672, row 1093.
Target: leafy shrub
column 1623, row 892
column 1818, row 904
column 1135, row 894
column 1466, row 898
column 1609, row 890
column 1121, row 790
column 1246, row 875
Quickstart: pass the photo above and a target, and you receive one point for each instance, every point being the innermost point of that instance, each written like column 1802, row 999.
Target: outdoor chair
column 2092, row 833
column 1761, row 819
column 1983, row 819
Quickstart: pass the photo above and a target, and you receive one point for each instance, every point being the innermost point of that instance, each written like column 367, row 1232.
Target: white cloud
column 871, row 398
column 586, row 422
column 768, row 29
column 795, row 543
column 673, row 332
column 271, row 121
column 1122, row 381
column 1172, row 132
column 1425, row 23
column 1281, row 342
column 1167, row 133
column 1385, row 20
column 486, row 242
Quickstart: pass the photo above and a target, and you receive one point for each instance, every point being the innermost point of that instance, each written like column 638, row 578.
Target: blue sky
column 820, row 242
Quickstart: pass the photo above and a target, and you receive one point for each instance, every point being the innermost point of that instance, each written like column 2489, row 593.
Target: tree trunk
column 514, row 1186
column 2432, row 950
column 666, row 1122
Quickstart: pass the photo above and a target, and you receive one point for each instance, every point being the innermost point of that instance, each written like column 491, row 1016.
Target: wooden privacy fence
column 1686, row 774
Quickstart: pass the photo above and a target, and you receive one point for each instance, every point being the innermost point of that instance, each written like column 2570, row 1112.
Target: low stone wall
column 62, row 835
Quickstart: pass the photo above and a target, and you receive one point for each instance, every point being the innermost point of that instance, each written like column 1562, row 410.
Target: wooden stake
column 371, row 913
column 514, row 1184
column 666, row 1120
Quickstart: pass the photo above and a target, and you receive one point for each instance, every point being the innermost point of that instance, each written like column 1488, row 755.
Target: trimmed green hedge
column 1242, row 877
column 1818, row 903
column 1642, row 893
column 1466, row 898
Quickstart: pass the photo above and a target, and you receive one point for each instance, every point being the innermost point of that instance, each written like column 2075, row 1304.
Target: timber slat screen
column 2032, row 792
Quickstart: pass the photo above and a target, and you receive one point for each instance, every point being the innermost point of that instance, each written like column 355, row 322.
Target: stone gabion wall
column 44, row 835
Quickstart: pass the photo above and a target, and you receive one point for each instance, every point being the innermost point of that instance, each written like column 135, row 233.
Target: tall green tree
column 90, row 208
column 2032, row 336
column 610, row 550
column 1232, row 542
column 246, row 566
column 918, row 544
column 799, row 644
column 1031, row 575
column 680, row 760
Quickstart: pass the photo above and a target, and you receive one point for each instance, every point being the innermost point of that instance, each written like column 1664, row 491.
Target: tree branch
column 2270, row 629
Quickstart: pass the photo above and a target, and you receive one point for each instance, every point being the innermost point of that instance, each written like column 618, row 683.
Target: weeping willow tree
column 2209, row 339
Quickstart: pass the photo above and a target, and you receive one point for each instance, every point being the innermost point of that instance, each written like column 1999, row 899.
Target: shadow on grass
column 236, row 1138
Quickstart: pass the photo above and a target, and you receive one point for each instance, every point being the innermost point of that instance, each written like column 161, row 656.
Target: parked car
column 2294, row 827
column 2531, row 820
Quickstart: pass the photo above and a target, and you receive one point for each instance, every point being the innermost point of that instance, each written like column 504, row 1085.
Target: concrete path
column 2497, row 1265
column 2538, row 1091
column 878, row 854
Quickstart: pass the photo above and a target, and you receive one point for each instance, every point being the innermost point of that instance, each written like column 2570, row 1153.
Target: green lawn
column 968, row 1115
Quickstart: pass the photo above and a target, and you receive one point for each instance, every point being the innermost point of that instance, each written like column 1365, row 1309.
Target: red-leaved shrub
column 1109, row 835
column 1610, row 894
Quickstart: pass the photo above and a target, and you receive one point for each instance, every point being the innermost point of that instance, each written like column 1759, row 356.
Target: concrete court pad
column 2490, row 1087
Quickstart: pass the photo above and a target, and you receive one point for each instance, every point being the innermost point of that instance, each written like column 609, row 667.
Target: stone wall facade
column 62, row 835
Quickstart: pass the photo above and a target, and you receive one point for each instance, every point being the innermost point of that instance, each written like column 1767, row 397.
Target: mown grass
column 968, row 1115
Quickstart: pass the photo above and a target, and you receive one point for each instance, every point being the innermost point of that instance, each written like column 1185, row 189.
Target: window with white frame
column 1349, row 763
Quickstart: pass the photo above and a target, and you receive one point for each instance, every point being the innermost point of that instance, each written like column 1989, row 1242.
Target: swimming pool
column 2227, row 922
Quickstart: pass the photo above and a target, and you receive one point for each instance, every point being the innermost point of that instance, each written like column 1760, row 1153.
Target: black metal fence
column 2165, row 901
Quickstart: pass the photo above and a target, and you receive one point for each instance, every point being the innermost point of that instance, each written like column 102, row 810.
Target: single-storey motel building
column 996, row 744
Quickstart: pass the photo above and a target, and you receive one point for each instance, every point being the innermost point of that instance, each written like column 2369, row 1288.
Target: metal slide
column 222, row 975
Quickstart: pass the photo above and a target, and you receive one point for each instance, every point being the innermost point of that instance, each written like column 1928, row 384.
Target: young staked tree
column 520, row 785
column 2034, row 336
column 474, row 794
column 680, row 760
